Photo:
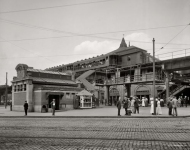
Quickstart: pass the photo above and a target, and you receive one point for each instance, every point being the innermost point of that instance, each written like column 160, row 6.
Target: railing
column 181, row 87
column 133, row 79
column 174, row 54
column 176, row 89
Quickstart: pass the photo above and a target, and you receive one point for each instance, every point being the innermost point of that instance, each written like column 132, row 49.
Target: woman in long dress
column 143, row 102
column 159, row 109
column 132, row 105
column 152, row 106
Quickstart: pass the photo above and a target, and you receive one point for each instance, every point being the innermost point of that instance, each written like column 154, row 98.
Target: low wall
column 37, row 108
column 18, row 108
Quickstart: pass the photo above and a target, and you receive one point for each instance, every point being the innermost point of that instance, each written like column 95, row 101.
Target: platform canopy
column 84, row 93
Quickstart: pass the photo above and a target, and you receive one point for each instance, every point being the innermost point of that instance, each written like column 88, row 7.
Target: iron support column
column 167, row 86
column 128, row 87
column 107, row 94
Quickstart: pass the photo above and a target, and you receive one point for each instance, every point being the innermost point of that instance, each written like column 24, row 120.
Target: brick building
column 39, row 88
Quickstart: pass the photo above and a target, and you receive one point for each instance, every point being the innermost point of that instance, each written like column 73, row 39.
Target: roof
column 84, row 92
column 123, row 47
column 126, row 49
column 44, row 71
column 48, row 80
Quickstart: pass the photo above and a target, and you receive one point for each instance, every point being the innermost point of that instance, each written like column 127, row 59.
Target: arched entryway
column 143, row 91
column 114, row 96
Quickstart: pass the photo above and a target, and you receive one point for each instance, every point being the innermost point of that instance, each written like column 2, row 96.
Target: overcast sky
column 65, row 31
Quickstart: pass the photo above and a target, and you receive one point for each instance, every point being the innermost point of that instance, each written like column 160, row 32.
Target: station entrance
column 57, row 101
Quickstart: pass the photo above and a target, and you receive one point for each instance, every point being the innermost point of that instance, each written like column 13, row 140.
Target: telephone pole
column 6, row 92
column 154, row 76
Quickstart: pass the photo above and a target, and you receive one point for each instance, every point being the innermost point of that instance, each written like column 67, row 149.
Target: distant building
column 39, row 88
column 2, row 94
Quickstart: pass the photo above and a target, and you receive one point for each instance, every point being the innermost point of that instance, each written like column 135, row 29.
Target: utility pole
column 154, row 76
column 6, row 92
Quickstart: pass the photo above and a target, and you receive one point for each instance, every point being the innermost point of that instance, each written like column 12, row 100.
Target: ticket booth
column 85, row 99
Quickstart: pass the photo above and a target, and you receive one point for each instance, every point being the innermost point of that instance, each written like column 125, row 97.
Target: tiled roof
column 44, row 71
column 48, row 80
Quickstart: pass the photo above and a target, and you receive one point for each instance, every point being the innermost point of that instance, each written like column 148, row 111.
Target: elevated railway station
column 128, row 71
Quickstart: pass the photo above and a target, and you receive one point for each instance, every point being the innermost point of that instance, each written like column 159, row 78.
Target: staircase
column 174, row 89
column 86, row 74
column 82, row 78
column 179, row 89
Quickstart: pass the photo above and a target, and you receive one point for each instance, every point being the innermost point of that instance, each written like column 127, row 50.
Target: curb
column 118, row 117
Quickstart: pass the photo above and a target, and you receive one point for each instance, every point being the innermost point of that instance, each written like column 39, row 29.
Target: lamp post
column 154, row 76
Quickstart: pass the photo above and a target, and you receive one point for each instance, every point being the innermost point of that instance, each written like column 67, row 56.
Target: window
column 72, row 95
column 24, row 87
column 67, row 95
column 18, row 87
column 15, row 88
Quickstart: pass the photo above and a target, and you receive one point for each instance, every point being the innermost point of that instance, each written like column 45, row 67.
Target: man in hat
column 25, row 108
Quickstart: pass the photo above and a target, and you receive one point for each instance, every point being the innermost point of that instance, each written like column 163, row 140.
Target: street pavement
column 106, row 111
column 95, row 133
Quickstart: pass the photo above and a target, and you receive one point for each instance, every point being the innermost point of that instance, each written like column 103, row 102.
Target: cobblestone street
column 95, row 133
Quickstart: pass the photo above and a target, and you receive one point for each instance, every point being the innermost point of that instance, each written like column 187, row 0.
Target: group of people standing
column 158, row 104
column 182, row 101
column 131, row 105
column 172, row 104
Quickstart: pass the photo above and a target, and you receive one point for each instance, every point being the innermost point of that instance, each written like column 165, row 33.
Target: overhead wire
column 51, row 7
column 174, row 37
column 79, row 34
column 48, row 56
column 28, row 50
column 32, row 52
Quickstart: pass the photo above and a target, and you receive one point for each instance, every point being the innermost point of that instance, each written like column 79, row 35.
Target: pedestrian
column 125, row 105
column 10, row 105
column 146, row 102
column 143, row 102
column 161, row 102
column 129, row 107
column 169, row 104
column 119, row 106
column 182, row 101
column 132, row 105
column 53, row 107
column 136, row 105
column 179, row 101
column 25, row 108
column 158, row 109
column 174, row 105
column 152, row 105
column 185, row 101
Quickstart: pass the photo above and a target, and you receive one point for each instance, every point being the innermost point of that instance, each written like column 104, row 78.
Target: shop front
column 143, row 91
column 114, row 96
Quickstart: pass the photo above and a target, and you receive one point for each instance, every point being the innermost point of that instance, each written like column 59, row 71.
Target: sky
column 46, row 33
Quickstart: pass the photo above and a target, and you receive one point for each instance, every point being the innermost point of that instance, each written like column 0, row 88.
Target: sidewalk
column 99, row 112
